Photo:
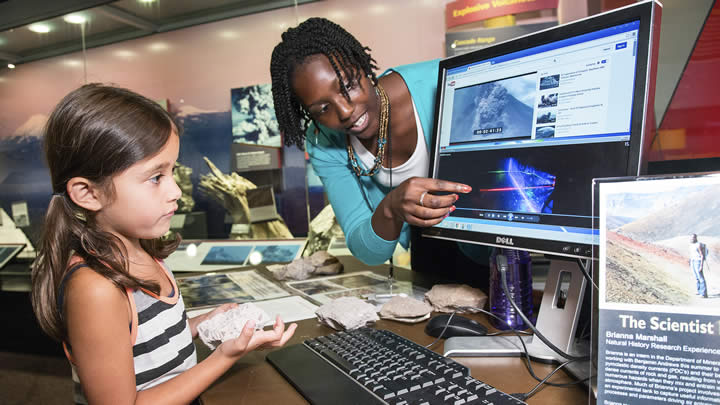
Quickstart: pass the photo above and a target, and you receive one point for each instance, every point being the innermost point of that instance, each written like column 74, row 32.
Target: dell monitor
column 529, row 123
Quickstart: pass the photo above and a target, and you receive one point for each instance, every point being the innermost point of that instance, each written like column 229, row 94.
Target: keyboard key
column 334, row 358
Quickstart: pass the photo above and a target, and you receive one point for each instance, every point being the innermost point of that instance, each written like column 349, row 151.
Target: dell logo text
column 503, row 240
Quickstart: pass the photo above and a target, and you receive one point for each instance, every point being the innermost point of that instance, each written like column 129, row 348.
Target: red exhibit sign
column 461, row 12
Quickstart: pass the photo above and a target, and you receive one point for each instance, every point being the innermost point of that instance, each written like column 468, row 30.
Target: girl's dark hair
column 95, row 132
column 313, row 37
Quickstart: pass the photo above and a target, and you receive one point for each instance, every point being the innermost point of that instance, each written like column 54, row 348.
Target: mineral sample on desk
column 319, row 263
column 325, row 263
column 229, row 324
column 455, row 297
column 346, row 313
column 405, row 309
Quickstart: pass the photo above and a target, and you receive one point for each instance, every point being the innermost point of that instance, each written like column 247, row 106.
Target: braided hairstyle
column 314, row 36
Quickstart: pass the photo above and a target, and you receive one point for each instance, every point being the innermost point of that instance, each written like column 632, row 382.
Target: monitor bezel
column 641, row 124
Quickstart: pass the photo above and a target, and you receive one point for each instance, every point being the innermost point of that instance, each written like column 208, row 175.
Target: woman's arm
column 348, row 198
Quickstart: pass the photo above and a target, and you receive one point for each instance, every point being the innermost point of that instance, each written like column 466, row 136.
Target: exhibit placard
column 658, row 299
column 461, row 12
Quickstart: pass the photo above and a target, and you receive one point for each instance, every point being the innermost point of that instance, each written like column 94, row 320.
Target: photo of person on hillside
column 697, row 260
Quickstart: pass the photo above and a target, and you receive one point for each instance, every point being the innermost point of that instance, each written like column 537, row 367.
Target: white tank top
column 416, row 166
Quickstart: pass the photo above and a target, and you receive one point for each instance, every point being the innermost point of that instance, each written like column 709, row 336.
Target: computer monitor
column 529, row 122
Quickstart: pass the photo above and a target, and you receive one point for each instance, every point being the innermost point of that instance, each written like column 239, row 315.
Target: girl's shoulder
column 93, row 287
column 94, row 305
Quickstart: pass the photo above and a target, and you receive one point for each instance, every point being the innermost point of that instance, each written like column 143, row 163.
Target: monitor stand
column 557, row 320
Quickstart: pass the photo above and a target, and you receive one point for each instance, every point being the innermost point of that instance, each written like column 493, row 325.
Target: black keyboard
column 371, row 366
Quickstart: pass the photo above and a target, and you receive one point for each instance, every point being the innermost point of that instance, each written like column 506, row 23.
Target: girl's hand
column 414, row 201
column 250, row 339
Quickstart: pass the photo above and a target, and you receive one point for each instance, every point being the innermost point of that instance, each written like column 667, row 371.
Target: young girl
column 99, row 284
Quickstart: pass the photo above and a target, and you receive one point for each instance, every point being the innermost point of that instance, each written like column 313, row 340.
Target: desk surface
column 252, row 380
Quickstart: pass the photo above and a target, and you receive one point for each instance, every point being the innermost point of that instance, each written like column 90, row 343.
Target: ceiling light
column 75, row 19
column 11, row 66
column 40, row 28
column 228, row 34
column 159, row 46
column 124, row 53
column 146, row 1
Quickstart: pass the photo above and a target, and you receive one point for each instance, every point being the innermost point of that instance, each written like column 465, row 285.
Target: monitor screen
column 528, row 123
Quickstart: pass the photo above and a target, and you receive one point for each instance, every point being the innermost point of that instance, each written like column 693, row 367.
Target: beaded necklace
column 382, row 137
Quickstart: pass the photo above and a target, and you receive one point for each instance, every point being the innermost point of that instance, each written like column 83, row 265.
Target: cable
column 503, row 332
column 586, row 273
column 442, row 332
column 532, row 392
column 502, row 267
column 525, row 353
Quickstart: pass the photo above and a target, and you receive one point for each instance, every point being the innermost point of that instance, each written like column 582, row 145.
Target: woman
column 367, row 137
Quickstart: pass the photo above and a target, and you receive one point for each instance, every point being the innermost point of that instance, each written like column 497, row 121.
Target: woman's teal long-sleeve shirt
column 354, row 199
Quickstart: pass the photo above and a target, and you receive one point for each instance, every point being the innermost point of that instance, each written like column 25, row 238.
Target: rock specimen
column 453, row 297
column 346, row 313
column 229, row 324
column 318, row 264
column 405, row 309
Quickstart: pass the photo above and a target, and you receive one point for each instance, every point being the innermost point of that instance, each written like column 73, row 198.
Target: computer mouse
column 459, row 326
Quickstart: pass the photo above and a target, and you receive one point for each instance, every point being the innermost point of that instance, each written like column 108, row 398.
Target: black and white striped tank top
column 162, row 342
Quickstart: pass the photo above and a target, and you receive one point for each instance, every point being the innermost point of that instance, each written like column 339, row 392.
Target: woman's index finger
column 450, row 186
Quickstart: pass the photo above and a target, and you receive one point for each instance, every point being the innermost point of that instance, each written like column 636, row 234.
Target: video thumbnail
column 501, row 109
column 549, row 82
column 548, row 100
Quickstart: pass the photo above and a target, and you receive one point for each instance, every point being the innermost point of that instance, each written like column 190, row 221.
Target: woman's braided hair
column 314, row 36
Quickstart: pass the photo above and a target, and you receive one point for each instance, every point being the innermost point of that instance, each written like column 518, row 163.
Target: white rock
column 229, row 324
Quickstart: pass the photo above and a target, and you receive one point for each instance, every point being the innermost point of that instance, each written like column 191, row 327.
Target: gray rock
column 319, row 263
column 405, row 309
column 452, row 297
column 298, row 269
column 346, row 313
